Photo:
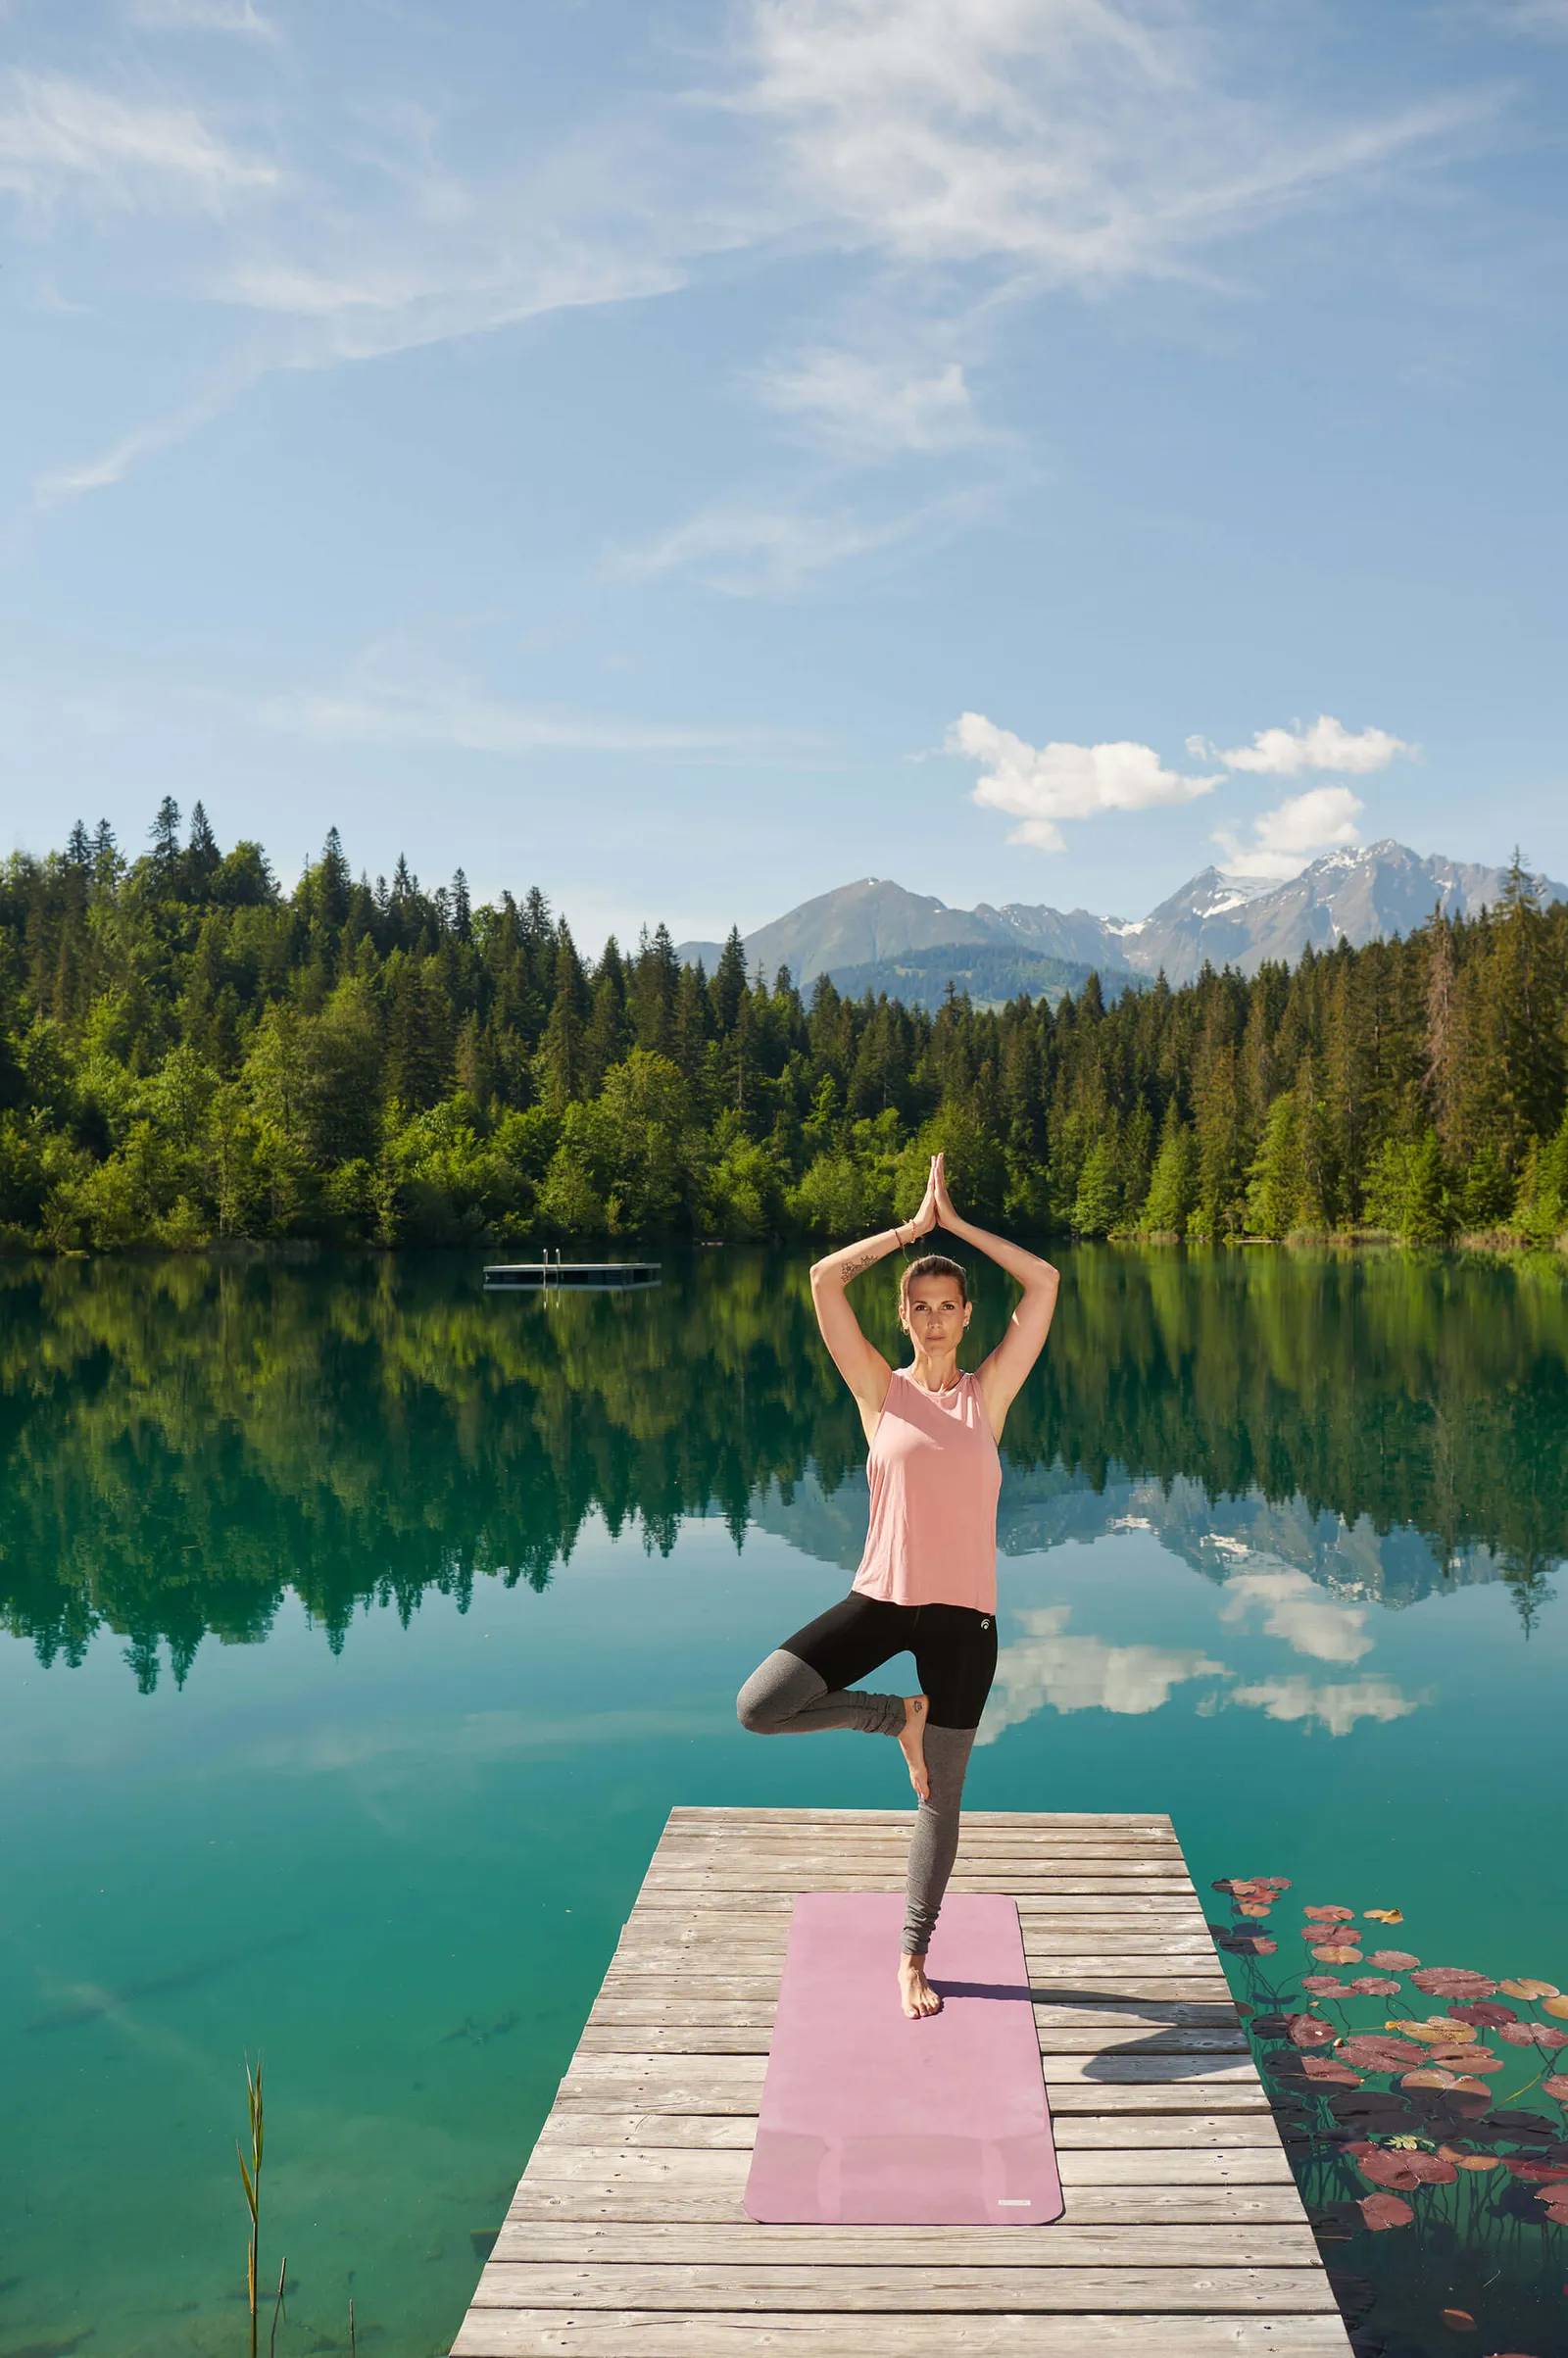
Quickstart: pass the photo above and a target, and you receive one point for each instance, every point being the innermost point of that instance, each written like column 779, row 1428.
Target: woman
column 927, row 1582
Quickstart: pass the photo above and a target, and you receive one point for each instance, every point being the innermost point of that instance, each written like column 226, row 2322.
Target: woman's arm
column 1001, row 1376
column 860, row 1362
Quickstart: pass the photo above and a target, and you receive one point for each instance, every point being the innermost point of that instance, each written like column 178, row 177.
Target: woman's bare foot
column 912, row 1740
column 915, row 1993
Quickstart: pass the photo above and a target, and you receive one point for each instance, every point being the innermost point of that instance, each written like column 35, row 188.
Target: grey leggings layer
column 786, row 1697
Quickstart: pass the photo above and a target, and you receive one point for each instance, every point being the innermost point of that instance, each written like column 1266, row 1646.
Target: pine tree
column 164, row 835
column 1173, row 1186
column 1275, row 1181
column 560, row 1063
column 728, row 986
column 202, row 857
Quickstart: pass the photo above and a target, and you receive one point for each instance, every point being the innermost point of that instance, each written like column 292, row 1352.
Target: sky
column 692, row 456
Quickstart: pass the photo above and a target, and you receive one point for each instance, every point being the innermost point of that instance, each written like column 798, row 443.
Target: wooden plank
column 641, row 2334
column 761, row 2284
column 1020, row 1821
column 700, row 2168
column 1264, row 2202
column 1064, row 2246
column 1124, row 2117
column 611, row 2033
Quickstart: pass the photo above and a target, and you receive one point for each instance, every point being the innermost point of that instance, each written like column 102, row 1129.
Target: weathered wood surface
column 626, row 2237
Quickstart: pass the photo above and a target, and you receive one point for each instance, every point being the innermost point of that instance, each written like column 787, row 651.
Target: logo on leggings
column 985, row 1625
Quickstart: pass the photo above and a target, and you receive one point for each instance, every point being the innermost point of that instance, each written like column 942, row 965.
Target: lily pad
column 1557, row 2086
column 1329, row 2068
column 1453, row 1980
column 1485, row 2012
column 1305, row 2030
column 1376, row 2051
column 1327, row 1985
column 1394, row 1960
column 1383, row 1915
column 1330, row 1915
column 1385, row 2210
column 1431, row 2076
column 1335, row 1952
column 1458, row 2321
column 1374, row 1984
column 1539, row 2172
column 1555, row 2005
column 1528, row 1989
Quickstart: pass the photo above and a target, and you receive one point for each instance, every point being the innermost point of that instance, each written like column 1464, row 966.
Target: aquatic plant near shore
column 251, row 2173
column 1400, row 2123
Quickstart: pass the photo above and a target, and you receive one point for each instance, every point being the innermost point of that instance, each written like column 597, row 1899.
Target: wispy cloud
column 871, row 407
column 60, row 137
column 769, row 552
column 1283, row 839
column 203, row 15
column 1040, row 785
column 380, row 712
column 1076, row 139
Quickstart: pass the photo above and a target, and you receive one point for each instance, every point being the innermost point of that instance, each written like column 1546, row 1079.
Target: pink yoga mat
column 870, row 2119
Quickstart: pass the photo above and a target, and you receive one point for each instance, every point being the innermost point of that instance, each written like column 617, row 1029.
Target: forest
column 183, row 1439
column 190, row 1053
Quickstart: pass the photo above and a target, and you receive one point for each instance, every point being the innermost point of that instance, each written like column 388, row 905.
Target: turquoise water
column 363, row 1629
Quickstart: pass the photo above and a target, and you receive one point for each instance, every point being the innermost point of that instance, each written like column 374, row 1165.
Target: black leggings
column 806, row 1686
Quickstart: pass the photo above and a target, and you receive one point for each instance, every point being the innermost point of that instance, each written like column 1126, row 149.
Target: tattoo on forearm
column 868, row 1260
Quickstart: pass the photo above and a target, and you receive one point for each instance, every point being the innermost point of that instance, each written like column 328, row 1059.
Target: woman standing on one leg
column 927, row 1582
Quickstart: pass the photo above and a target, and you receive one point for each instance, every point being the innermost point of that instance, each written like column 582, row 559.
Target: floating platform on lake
column 598, row 1276
column 1184, row 2235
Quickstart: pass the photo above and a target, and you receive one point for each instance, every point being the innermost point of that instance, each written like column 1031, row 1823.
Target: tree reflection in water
column 183, row 1441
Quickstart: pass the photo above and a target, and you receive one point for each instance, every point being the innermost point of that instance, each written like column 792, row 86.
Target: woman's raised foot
column 912, row 1741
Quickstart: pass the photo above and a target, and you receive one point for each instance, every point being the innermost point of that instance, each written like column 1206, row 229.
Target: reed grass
column 251, row 2174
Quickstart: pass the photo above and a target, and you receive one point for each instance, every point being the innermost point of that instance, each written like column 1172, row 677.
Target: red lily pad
column 1326, row 1985
column 1394, row 1960
column 1452, row 1981
column 1329, row 2067
column 1373, row 1984
column 1458, row 2321
column 1385, row 2210
column 1540, row 2172
column 1557, row 2086
column 1431, row 2076
column 1386, row 2169
column 1334, row 1952
column 1377, row 2051
column 1305, row 2030
column 1485, row 2014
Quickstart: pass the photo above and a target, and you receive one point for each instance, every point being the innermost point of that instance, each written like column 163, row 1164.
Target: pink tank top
column 935, row 1477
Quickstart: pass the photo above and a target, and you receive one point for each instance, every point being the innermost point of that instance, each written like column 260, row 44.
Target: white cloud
column 1083, row 1674
column 1324, row 744
column 1078, row 139
column 1285, row 838
column 59, row 135
column 1296, row 1609
column 1040, row 785
column 873, row 407
column 1337, row 1708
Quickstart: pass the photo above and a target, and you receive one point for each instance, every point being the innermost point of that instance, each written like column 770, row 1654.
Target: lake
column 362, row 1627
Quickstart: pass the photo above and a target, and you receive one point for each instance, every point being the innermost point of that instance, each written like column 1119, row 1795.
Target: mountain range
column 875, row 935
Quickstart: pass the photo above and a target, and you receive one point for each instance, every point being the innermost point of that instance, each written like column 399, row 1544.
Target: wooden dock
column 1184, row 2236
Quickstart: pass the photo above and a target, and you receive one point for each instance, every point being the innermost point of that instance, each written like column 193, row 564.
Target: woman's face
column 936, row 1313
